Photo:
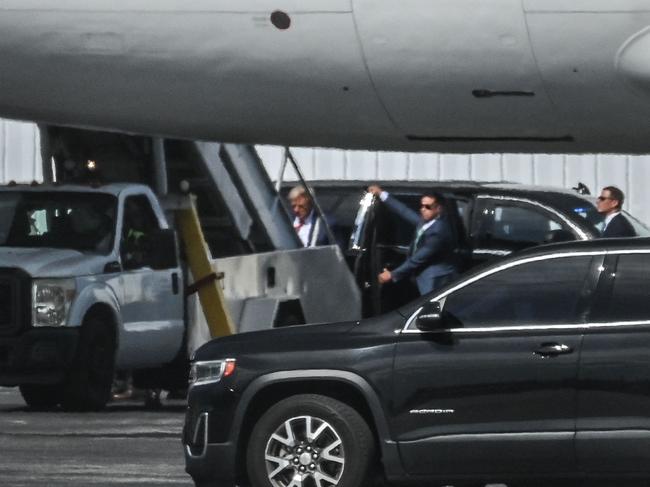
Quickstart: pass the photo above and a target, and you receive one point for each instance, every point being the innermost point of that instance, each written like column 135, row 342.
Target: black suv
column 491, row 220
column 537, row 365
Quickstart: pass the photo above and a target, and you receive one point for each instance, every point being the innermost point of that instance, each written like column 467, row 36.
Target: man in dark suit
column 431, row 253
column 609, row 205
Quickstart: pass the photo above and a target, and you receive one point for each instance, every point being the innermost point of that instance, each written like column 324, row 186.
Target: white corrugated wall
column 20, row 157
column 630, row 173
column 21, row 161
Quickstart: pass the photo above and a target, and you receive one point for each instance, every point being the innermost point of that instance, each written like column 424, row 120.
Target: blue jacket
column 434, row 254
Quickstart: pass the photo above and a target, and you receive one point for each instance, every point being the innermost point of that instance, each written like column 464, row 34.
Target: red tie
column 299, row 225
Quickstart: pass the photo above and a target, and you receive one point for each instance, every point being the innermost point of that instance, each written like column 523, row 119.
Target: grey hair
column 299, row 190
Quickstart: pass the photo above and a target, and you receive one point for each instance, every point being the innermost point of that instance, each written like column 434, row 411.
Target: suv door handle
column 552, row 349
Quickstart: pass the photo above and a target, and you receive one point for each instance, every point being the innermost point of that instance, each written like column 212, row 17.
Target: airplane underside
column 416, row 75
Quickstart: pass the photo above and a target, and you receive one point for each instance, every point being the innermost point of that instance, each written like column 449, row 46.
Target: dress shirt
column 303, row 228
column 609, row 218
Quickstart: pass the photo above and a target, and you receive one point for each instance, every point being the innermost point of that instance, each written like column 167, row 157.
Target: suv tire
column 88, row 385
column 311, row 435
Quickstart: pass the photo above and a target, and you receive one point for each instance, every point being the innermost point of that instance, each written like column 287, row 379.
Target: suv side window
column 514, row 225
column 541, row 292
column 139, row 224
column 630, row 294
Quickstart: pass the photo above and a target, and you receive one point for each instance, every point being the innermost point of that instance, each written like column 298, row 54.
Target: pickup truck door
column 152, row 300
column 493, row 391
column 613, row 429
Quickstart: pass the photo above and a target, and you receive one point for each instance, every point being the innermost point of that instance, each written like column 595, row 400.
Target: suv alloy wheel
column 311, row 441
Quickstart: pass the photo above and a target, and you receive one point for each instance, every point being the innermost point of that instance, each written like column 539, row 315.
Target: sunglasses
column 428, row 207
column 603, row 198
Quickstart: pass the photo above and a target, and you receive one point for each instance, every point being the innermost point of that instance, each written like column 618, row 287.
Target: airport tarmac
column 125, row 445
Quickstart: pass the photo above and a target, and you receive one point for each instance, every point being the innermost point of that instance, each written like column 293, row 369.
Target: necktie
column 299, row 225
column 417, row 237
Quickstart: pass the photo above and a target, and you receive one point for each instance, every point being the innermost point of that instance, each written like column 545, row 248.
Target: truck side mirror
column 164, row 250
column 430, row 318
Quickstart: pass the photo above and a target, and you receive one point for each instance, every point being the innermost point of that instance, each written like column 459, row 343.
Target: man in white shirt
column 310, row 228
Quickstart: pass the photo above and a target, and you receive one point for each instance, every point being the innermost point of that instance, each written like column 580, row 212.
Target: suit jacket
column 619, row 227
column 433, row 256
column 318, row 233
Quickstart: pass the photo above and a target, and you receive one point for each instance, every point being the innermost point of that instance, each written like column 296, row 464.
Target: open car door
column 380, row 240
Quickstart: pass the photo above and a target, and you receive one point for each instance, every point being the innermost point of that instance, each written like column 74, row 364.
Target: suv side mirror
column 164, row 251
column 430, row 318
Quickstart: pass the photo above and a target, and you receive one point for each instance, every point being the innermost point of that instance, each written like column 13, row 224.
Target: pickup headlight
column 211, row 371
column 51, row 299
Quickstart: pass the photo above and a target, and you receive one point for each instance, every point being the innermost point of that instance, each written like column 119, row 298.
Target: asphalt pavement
column 125, row 445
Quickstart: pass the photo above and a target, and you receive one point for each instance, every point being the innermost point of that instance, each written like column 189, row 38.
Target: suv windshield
column 64, row 220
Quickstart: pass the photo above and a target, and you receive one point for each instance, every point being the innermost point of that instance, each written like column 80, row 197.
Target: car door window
column 515, row 225
column 139, row 224
column 540, row 292
column 393, row 230
column 629, row 299
column 463, row 210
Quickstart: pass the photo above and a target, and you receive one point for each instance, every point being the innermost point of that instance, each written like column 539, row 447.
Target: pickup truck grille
column 14, row 300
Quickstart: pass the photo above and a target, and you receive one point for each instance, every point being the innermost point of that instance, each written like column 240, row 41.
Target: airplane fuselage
column 446, row 75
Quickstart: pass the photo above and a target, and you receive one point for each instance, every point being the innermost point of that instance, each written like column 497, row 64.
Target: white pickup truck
column 90, row 282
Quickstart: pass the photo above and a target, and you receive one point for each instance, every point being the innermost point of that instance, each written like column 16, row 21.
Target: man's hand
column 375, row 190
column 385, row 277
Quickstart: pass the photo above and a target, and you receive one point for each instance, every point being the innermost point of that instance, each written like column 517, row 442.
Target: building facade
column 20, row 156
column 630, row 173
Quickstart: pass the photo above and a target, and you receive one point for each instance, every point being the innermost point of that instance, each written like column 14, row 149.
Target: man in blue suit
column 430, row 258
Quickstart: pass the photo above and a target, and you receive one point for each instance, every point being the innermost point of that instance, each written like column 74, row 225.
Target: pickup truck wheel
column 88, row 385
column 309, row 440
column 41, row 396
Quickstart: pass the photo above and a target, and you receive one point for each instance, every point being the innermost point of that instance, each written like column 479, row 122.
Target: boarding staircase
column 239, row 210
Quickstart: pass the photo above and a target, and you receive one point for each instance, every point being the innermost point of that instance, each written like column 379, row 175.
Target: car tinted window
column 518, row 224
column 395, row 229
column 588, row 212
column 630, row 297
column 541, row 292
